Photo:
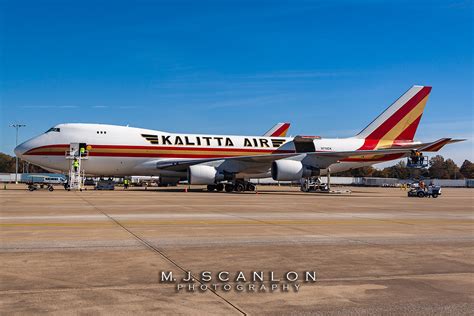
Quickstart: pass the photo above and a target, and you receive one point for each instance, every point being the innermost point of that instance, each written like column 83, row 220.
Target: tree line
column 7, row 165
column 438, row 168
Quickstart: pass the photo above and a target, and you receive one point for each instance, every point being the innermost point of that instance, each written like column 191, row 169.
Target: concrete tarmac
column 102, row 252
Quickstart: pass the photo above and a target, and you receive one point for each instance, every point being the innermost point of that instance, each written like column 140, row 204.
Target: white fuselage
column 126, row 151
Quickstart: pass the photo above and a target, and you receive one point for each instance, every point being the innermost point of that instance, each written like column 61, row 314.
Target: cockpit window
column 53, row 129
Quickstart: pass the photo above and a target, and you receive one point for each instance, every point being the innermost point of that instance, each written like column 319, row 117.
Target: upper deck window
column 53, row 129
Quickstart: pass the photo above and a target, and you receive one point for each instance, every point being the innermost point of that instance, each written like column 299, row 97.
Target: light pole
column 17, row 127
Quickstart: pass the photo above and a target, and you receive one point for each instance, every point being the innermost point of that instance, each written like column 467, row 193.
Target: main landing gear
column 237, row 186
column 314, row 184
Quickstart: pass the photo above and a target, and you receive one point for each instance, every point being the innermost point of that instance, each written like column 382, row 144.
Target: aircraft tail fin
column 279, row 130
column 399, row 122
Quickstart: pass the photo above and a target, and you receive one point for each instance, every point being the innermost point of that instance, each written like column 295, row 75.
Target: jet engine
column 289, row 170
column 199, row 174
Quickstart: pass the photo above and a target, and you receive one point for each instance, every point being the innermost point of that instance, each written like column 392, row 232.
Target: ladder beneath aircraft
column 76, row 171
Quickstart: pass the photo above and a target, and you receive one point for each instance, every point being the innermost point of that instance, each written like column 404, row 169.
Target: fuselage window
column 101, row 132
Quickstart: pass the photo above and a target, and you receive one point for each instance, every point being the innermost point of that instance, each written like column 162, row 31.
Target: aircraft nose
column 21, row 149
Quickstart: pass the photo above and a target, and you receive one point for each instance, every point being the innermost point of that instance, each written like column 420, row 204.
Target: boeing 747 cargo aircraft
column 217, row 159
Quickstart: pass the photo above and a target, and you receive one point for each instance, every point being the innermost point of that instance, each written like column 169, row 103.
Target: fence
column 374, row 182
column 362, row 181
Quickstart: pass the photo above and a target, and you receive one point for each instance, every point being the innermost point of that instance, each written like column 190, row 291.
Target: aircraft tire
column 239, row 187
column 250, row 187
column 220, row 187
column 305, row 188
column 229, row 187
column 211, row 187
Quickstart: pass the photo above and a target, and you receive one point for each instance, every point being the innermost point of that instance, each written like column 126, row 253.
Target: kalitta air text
column 239, row 281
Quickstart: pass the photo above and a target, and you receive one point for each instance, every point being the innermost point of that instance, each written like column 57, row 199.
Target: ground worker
column 422, row 185
column 125, row 183
column 75, row 164
column 82, row 151
column 418, row 157
column 413, row 157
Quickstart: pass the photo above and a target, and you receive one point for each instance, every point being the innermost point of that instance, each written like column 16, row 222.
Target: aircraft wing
column 261, row 163
column 322, row 160
column 182, row 165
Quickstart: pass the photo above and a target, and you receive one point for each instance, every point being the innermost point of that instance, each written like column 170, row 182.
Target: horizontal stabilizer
column 440, row 143
column 432, row 146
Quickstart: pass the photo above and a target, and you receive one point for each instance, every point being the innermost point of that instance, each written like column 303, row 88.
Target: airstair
column 76, row 171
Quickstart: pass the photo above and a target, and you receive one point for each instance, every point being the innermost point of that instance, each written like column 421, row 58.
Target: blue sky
column 328, row 67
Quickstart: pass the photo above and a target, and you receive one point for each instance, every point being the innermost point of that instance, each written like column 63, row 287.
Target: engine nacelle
column 202, row 174
column 289, row 170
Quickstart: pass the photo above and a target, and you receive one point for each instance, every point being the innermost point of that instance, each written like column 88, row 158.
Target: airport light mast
column 17, row 127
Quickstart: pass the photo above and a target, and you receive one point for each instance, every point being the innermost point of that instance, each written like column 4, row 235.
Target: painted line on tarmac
column 162, row 254
column 294, row 215
column 251, row 222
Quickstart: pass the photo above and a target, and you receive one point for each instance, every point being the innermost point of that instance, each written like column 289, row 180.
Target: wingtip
column 457, row 140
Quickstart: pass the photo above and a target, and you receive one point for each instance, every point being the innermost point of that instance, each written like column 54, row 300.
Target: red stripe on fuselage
column 65, row 146
column 163, row 155
column 182, row 155
column 184, row 148
column 209, row 152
